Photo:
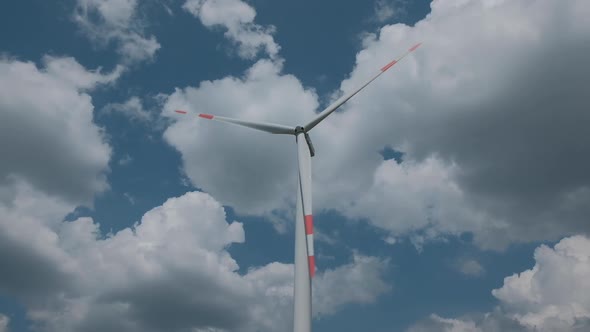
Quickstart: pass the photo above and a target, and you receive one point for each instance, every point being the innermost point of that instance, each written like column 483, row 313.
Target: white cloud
column 552, row 296
column 474, row 100
column 125, row 160
column 237, row 18
column 470, row 267
column 363, row 280
column 4, row 322
column 29, row 220
column 175, row 258
column 130, row 198
column 476, row 117
column 424, row 196
column 385, row 10
column 238, row 158
column 437, row 323
column 131, row 108
column 359, row 282
column 70, row 72
column 106, row 21
column 48, row 137
column 495, row 321
column 332, row 238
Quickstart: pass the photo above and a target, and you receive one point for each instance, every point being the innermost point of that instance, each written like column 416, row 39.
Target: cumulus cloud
column 552, row 296
column 495, row 321
column 363, row 280
column 359, row 282
column 116, row 21
column 225, row 160
column 385, row 10
column 437, row 323
column 171, row 271
column 485, row 114
column 70, row 72
column 476, row 100
column 470, row 267
column 4, row 321
column 132, row 108
column 429, row 199
column 48, row 138
column 31, row 263
column 237, row 18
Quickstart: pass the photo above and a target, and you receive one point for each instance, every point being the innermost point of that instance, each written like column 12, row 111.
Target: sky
column 452, row 194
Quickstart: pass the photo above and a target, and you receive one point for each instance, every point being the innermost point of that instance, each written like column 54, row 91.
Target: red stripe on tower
column 415, row 47
column 387, row 66
column 180, row 112
column 311, row 263
column 309, row 224
column 206, row 116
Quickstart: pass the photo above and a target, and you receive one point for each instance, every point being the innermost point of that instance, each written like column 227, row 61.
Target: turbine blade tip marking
column 206, row 116
column 311, row 262
column 309, row 224
column 180, row 112
column 415, row 47
column 389, row 65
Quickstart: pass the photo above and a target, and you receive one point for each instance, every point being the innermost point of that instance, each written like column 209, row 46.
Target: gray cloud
column 470, row 267
column 363, row 277
column 386, row 10
column 169, row 272
column 495, row 321
column 47, row 135
column 551, row 296
column 490, row 113
column 119, row 22
column 237, row 18
column 32, row 267
column 523, row 156
column 4, row 321
column 490, row 102
column 229, row 162
column 132, row 108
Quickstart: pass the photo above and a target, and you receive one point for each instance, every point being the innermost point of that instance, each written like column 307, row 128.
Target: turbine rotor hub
column 299, row 130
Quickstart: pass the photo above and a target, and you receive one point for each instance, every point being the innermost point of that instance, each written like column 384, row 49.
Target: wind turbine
column 304, row 252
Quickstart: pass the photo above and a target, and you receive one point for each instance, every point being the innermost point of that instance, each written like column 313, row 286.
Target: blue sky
column 442, row 198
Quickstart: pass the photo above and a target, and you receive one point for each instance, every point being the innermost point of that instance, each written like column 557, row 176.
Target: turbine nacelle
column 301, row 130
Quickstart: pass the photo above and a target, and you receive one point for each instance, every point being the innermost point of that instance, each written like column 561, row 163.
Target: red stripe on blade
column 206, row 116
column 311, row 263
column 387, row 66
column 415, row 47
column 309, row 224
column 180, row 112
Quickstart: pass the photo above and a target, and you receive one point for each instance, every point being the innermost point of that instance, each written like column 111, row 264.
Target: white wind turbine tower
column 304, row 255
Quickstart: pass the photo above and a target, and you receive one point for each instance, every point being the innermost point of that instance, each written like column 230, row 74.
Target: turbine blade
column 346, row 97
column 304, row 158
column 262, row 126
